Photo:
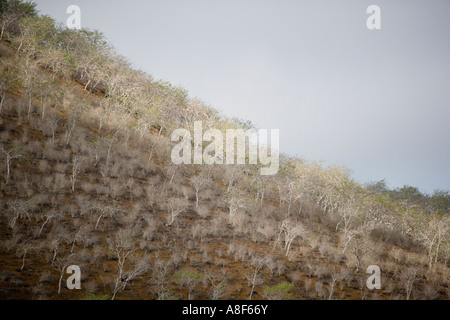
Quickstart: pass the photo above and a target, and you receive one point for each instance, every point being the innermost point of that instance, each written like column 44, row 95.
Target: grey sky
column 375, row 101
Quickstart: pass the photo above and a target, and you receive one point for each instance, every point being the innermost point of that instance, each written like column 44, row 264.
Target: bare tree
column 103, row 211
column 432, row 232
column 175, row 207
column 254, row 278
column 289, row 193
column 260, row 184
column 53, row 127
column 57, row 236
column 231, row 174
column 55, row 62
column 81, row 235
column 3, row 88
column 77, row 167
column 23, row 249
column 48, row 91
column 360, row 247
column 336, row 277
column 235, row 201
column 152, row 148
column 28, row 71
column 290, row 230
column 408, row 276
column 348, row 214
column 199, row 183
column 123, row 245
column 13, row 151
column 60, row 264
column 172, row 170
column 70, row 126
column 48, row 216
column 219, row 286
column 18, row 209
column 160, row 275
column 8, row 80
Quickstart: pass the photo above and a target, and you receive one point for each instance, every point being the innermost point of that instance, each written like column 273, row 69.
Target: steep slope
column 87, row 180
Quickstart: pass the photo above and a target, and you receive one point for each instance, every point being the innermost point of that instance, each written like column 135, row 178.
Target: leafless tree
column 254, row 278
column 289, row 193
column 337, row 275
column 432, row 232
column 57, row 236
column 152, row 148
column 54, row 61
column 175, row 207
column 23, row 249
column 28, row 71
column 53, row 123
column 18, row 209
column 219, row 286
column 260, row 184
column 160, row 274
column 231, row 174
column 48, row 216
column 408, row 276
column 49, row 91
column 290, row 230
column 171, row 170
column 61, row 264
column 3, row 87
column 70, row 126
column 13, row 151
column 199, row 183
column 7, row 80
column 360, row 247
column 348, row 215
column 81, row 235
column 235, row 201
column 103, row 211
column 77, row 166
column 123, row 245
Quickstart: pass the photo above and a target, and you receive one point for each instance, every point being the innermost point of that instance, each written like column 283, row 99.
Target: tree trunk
column 42, row 228
column 23, row 260
column 173, row 174
column 253, row 284
column 54, row 255
column 98, row 220
column 1, row 102
column 8, row 164
column 331, row 291
column 87, row 83
column 60, row 280
column 30, row 104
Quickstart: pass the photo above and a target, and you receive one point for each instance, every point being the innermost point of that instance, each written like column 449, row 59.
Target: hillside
column 86, row 179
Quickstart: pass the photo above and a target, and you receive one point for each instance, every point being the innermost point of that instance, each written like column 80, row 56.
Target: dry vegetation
column 86, row 179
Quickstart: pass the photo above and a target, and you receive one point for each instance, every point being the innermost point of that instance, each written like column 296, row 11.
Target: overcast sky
column 375, row 101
